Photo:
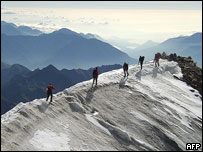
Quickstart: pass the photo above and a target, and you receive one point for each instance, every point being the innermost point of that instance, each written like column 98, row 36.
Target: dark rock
column 192, row 74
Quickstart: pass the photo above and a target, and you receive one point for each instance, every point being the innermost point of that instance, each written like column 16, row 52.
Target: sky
column 137, row 21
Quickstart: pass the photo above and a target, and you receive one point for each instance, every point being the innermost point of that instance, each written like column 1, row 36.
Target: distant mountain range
column 12, row 29
column 63, row 49
column 67, row 49
column 19, row 84
column 122, row 44
column 8, row 71
column 183, row 46
column 147, row 44
column 132, row 51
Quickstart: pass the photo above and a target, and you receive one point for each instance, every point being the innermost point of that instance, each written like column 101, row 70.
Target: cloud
column 90, row 21
column 40, row 23
column 104, row 23
column 9, row 13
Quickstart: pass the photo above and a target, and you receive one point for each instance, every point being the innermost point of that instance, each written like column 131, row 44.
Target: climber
column 141, row 60
column 95, row 75
column 156, row 59
column 125, row 69
column 49, row 91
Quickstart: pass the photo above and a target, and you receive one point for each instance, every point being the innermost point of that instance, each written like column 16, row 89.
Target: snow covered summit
column 148, row 110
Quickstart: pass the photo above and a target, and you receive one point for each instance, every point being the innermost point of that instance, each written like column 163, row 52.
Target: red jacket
column 50, row 88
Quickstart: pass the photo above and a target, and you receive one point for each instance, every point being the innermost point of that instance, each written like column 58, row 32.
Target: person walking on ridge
column 156, row 60
column 125, row 69
column 95, row 75
column 141, row 60
column 49, row 91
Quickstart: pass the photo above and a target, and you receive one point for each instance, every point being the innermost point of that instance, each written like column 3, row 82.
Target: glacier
column 148, row 110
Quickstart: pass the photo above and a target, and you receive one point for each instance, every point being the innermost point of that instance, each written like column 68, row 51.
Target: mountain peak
column 65, row 31
column 50, row 67
column 149, row 42
column 12, row 29
column 10, row 24
column 198, row 34
column 19, row 67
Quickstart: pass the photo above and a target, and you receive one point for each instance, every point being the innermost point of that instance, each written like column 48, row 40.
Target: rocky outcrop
column 192, row 74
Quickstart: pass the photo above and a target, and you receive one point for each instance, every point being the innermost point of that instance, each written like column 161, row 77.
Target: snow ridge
column 148, row 110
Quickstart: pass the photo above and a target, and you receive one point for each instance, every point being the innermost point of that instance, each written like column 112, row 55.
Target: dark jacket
column 141, row 59
column 125, row 66
column 95, row 73
column 156, row 58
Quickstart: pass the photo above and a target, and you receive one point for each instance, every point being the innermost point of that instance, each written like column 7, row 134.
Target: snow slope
column 149, row 110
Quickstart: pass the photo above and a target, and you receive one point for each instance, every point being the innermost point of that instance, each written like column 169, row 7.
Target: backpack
column 125, row 66
column 95, row 73
column 142, row 58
